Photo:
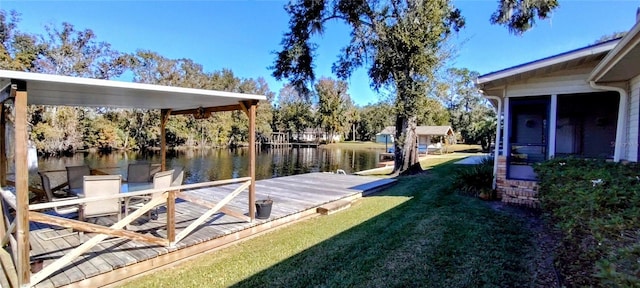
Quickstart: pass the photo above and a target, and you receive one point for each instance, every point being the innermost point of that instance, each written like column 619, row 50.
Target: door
column 528, row 136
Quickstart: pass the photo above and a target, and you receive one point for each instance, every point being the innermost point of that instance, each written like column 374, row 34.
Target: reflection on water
column 213, row 164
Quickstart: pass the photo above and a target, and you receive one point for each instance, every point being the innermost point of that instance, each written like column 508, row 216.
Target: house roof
column 420, row 130
column 621, row 64
column 46, row 89
column 571, row 59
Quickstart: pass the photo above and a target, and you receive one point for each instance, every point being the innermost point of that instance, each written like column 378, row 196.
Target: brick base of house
column 518, row 192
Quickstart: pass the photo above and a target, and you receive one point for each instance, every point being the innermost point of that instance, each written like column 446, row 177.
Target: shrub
column 596, row 204
column 474, row 179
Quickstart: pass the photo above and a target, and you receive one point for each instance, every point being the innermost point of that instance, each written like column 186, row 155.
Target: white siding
column 632, row 120
column 564, row 84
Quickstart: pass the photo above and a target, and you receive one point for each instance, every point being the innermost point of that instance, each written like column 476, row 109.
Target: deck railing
column 169, row 195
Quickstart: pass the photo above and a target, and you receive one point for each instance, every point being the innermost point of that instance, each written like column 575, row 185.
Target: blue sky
column 241, row 35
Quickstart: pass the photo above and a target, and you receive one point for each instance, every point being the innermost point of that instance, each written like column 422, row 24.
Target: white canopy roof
column 46, row 89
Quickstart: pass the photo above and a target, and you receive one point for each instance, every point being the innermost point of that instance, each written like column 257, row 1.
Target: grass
column 426, row 163
column 357, row 145
column 416, row 233
column 372, row 145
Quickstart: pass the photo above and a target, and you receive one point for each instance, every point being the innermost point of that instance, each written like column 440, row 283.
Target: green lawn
column 415, row 233
column 373, row 145
column 357, row 145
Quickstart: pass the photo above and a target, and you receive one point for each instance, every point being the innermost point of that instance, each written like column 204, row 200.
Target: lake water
column 216, row 164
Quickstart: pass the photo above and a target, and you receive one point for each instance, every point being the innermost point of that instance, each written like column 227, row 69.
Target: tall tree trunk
column 354, row 133
column 405, row 150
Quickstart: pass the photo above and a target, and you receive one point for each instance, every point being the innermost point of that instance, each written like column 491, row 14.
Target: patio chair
column 75, row 176
column 178, row 177
column 101, row 185
column 160, row 180
column 60, row 210
column 52, row 197
column 155, row 168
column 138, row 172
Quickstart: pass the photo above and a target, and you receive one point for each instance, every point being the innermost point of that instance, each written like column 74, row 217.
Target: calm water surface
column 215, row 164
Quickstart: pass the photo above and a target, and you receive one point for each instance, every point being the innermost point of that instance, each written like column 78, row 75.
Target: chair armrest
column 64, row 199
column 142, row 197
column 127, row 200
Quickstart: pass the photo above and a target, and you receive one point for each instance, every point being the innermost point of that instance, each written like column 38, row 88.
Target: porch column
column 496, row 146
column 505, row 138
column 622, row 116
column 620, row 129
column 21, row 182
column 553, row 120
column 252, row 160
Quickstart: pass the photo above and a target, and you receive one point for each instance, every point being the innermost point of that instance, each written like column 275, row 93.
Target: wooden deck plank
column 295, row 197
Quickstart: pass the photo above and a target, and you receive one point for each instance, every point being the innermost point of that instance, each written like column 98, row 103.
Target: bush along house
column 581, row 103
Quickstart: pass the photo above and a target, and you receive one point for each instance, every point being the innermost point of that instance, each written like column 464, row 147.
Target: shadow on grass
column 434, row 239
column 473, row 150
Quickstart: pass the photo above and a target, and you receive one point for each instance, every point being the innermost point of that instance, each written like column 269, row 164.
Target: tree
column 67, row 51
column 400, row 41
column 520, row 15
column 293, row 111
column 70, row 52
column 469, row 112
column 614, row 35
column 373, row 119
column 431, row 112
column 353, row 118
column 332, row 106
column 18, row 50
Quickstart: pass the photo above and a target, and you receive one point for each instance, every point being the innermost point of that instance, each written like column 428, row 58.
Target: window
column 586, row 125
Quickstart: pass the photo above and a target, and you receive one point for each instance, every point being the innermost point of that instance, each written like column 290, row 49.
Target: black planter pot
column 263, row 209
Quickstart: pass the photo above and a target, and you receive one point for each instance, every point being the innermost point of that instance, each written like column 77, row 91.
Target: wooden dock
column 114, row 261
column 305, row 144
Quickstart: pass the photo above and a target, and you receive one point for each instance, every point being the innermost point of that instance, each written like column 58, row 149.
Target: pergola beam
column 208, row 110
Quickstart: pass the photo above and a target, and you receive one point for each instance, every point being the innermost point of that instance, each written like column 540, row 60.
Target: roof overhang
column 569, row 60
column 621, row 64
column 46, row 89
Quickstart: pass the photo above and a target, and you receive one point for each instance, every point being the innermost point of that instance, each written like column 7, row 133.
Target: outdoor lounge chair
column 160, row 180
column 138, row 172
column 101, row 185
column 75, row 176
column 178, row 177
column 52, row 197
column 61, row 210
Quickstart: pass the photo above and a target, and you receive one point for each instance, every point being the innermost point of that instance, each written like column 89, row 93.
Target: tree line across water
column 451, row 99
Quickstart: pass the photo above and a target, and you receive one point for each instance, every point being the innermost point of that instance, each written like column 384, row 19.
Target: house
column 581, row 103
column 443, row 134
column 314, row 135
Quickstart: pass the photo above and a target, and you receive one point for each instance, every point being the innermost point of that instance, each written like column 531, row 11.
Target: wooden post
column 3, row 218
column 164, row 117
column 171, row 216
column 171, row 195
column 3, row 148
column 252, row 160
column 22, row 183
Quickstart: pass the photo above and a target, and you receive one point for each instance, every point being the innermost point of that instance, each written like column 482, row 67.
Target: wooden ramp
column 112, row 261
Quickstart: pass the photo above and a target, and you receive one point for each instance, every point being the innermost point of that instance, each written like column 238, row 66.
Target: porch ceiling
column 45, row 89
